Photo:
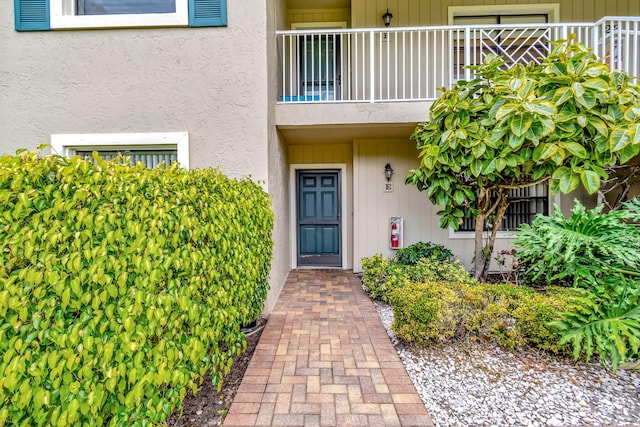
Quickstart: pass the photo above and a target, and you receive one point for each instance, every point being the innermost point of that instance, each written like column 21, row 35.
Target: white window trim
column 67, row 144
column 63, row 17
column 552, row 10
column 470, row 235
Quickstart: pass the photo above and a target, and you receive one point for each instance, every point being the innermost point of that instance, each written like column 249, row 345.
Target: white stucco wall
column 210, row 82
column 278, row 169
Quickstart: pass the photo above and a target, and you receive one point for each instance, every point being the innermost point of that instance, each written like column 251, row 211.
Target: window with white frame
column 118, row 13
column 151, row 149
column 45, row 15
column 120, row 7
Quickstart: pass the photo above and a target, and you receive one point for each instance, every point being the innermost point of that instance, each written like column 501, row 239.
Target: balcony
column 389, row 65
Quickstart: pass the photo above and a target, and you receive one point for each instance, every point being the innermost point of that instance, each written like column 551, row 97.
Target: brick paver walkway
column 324, row 359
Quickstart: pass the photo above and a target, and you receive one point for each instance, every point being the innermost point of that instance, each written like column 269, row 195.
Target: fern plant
column 589, row 243
column 606, row 317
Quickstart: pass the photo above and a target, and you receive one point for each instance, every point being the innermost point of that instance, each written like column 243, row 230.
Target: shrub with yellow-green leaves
column 426, row 312
column 382, row 277
column 513, row 316
column 121, row 287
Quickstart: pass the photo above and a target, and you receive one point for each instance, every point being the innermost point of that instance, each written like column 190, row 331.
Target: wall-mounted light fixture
column 388, row 171
column 387, row 18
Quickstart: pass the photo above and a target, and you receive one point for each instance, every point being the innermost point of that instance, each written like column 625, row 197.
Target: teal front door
column 318, row 218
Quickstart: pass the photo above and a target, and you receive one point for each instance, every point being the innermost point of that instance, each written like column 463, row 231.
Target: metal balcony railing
column 411, row 64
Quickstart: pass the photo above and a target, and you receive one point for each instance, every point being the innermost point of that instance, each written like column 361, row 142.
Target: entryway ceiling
column 345, row 134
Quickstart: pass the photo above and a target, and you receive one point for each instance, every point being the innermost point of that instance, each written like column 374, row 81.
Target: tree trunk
column 486, row 208
column 479, row 261
column 488, row 249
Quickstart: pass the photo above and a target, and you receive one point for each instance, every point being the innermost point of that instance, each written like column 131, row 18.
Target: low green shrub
column 535, row 314
column 121, row 287
column 425, row 312
column 443, row 271
column 375, row 277
column 437, row 300
column 513, row 316
column 414, row 253
column 382, row 277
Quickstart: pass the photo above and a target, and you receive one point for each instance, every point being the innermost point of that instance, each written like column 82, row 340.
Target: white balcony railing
column 410, row 64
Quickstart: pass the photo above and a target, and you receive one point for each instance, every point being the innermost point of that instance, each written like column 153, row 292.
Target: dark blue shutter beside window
column 207, row 13
column 31, row 15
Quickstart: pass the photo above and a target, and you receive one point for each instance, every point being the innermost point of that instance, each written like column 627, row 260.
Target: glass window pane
column 117, row 7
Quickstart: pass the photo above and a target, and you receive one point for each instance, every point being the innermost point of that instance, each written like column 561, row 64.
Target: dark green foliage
column 412, row 254
column 600, row 253
column 605, row 318
column 589, row 243
column 121, row 287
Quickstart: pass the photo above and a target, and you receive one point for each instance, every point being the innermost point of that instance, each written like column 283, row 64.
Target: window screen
column 150, row 158
column 118, row 7
column 526, row 203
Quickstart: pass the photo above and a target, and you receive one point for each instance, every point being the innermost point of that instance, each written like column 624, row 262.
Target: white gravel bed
column 483, row 385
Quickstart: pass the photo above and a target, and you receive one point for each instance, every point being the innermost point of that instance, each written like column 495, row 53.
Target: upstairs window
column 118, row 13
column 43, row 15
column 118, row 7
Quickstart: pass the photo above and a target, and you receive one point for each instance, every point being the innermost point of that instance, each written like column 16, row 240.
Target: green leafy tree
column 561, row 121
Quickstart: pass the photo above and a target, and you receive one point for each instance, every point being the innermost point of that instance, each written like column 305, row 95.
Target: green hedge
column 120, row 287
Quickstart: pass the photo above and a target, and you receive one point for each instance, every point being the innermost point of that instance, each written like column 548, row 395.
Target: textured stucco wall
column 210, row 82
column 278, row 168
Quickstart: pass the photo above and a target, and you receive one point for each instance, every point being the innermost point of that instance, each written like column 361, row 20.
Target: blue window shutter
column 32, row 15
column 207, row 13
